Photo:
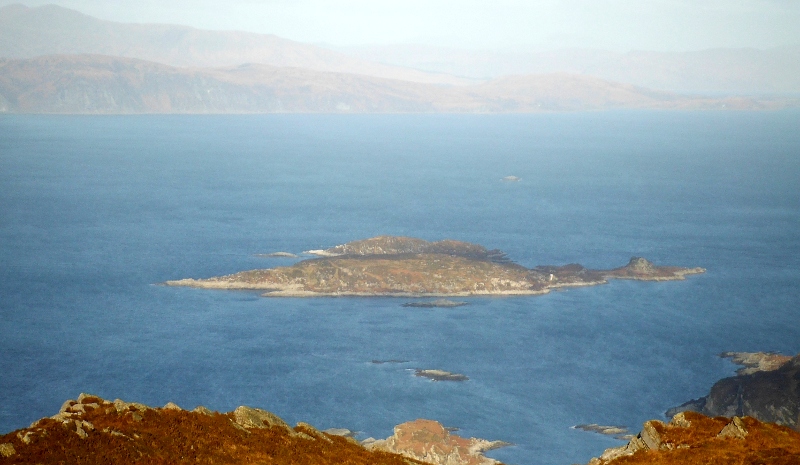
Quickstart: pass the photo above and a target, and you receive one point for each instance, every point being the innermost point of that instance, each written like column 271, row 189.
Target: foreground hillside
column 98, row 84
column 404, row 266
column 691, row 438
column 92, row 430
column 748, row 419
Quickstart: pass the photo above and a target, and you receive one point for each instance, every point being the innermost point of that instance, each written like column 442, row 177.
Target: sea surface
column 96, row 211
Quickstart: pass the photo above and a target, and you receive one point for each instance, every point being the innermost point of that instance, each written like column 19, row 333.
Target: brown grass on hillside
column 699, row 444
column 166, row 436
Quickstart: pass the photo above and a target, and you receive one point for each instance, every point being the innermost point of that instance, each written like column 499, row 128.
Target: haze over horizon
column 619, row 25
column 60, row 60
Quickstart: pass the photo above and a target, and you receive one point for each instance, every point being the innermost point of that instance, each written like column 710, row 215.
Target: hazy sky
column 615, row 24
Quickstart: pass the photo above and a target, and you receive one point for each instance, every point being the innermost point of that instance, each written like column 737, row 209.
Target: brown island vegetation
column 404, row 266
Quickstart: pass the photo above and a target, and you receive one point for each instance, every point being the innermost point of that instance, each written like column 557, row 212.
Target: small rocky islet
column 410, row 267
column 440, row 375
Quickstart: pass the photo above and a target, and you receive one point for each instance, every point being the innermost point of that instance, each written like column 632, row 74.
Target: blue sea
column 96, row 211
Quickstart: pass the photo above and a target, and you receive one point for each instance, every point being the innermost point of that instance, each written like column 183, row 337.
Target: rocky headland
column 404, row 266
column 767, row 388
column 753, row 362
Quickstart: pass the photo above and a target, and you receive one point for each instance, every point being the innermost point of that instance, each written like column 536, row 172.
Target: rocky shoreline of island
column 391, row 266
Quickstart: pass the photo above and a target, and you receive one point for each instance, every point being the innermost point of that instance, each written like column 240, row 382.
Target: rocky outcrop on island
column 430, row 442
column 92, row 430
column 403, row 266
column 692, row 438
column 770, row 394
column 398, row 245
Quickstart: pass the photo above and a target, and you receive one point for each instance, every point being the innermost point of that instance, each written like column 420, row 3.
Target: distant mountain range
column 714, row 72
column 56, row 60
column 108, row 85
column 53, row 30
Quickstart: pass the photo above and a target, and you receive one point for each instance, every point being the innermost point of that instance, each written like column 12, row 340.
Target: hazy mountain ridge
column 58, row 60
column 102, row 84
column 109, row 85
column 714, row 71
column 53, row 30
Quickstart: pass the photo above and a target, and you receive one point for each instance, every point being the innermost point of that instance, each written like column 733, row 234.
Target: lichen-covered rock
column 734, row 429
column 123, row 406
column 305, row 428
column 203, row 410
column 650, row 435
column 249, row 417
column 679, row 420
column 7, row 449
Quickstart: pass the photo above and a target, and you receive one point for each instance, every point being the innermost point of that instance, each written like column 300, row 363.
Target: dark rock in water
column 278, row 254
column 619, row 432
column 344, row 432
column 438, row 303
column 440, row 375
column 771, row 396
